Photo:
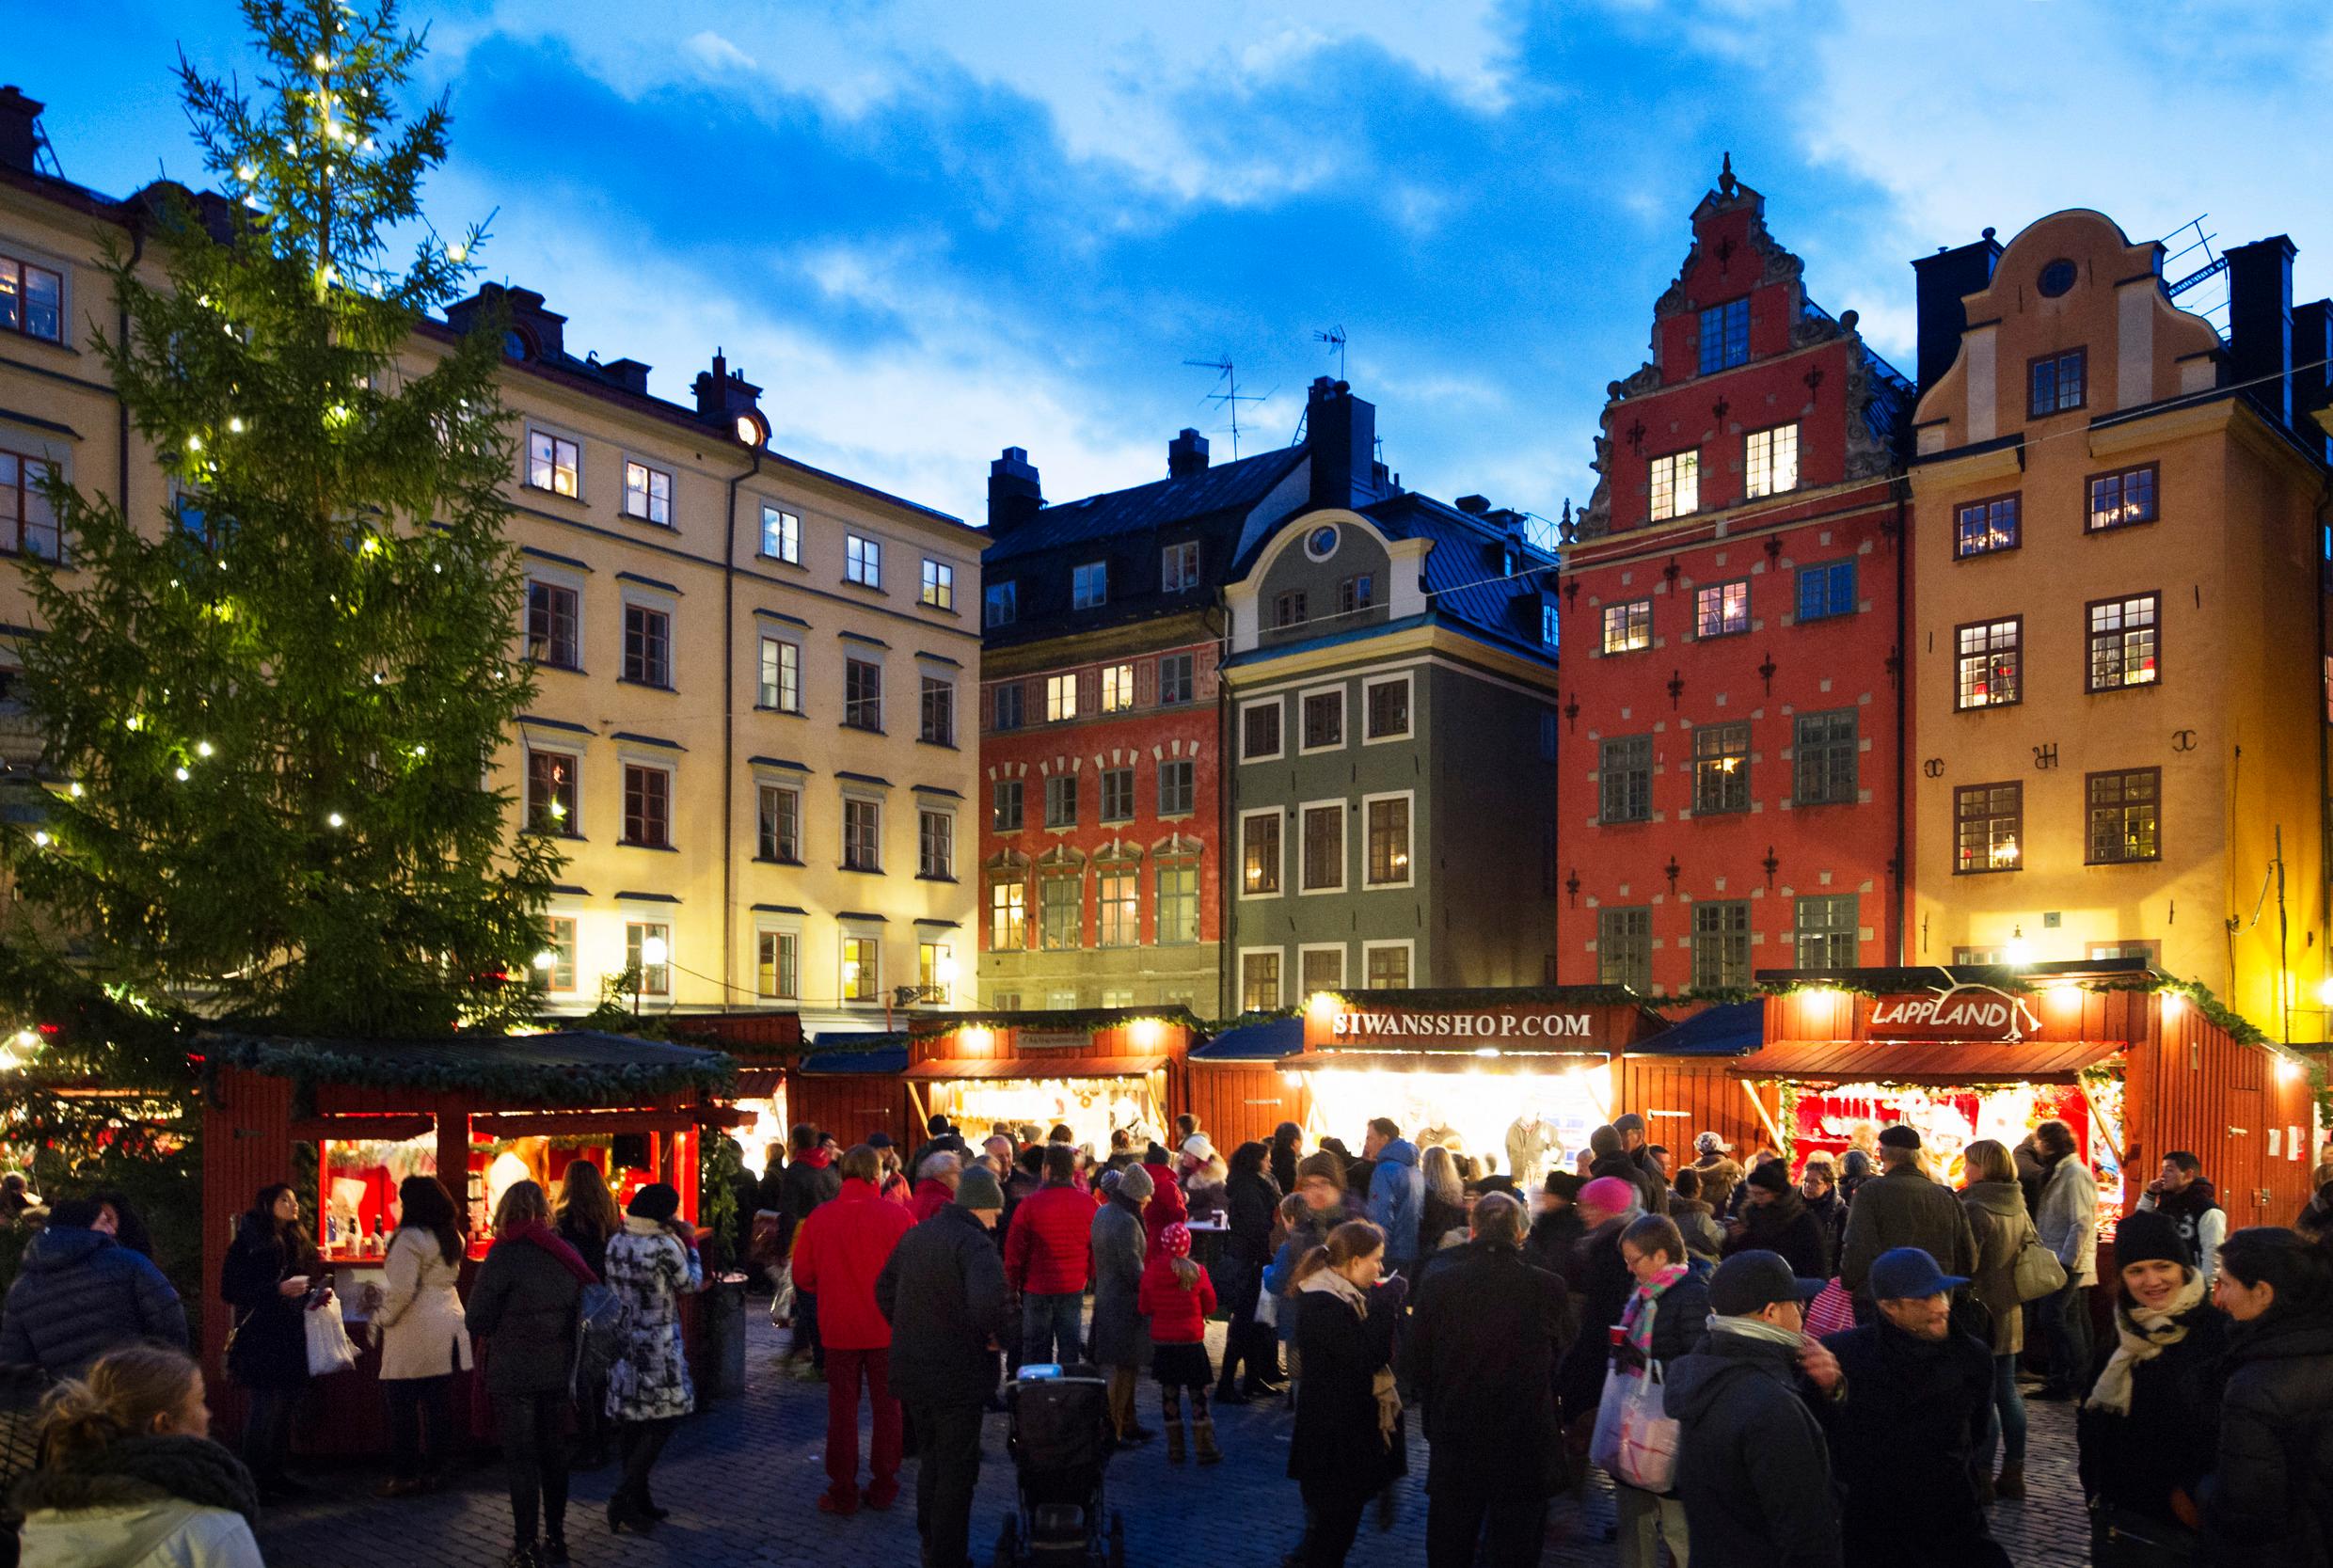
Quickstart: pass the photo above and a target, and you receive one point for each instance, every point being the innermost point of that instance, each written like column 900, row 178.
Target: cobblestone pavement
column 742, row 1479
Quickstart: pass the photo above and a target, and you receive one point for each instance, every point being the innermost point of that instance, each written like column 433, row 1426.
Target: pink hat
column 1612, row 1195
column 1175, row 1240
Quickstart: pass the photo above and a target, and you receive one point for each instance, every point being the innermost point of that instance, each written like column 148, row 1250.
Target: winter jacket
column 807, row 1184
column 1250, row 1202
column 141, row 1502
column 1119, row 1336
column 271, row 1334
column 1998, row 1221
column 589, row 1243
column 1165, row 1208
column 1680, row 1318
column 1697, row 1223
column 1788, row 1226
column 1830, row 1211
column 1905, row 1209
column 649, row 1269
column 1439, row 1218
column 1648, row 1171
column 1902, row 1435
column 2067, row 1217
column 1284, row 1158
column 1203, row 1183
column 2167, row 1441
column 1311, row 1231
column 419, row 1326
column 1752, row 1469
column 1397, row 1197
column 2202, row 1223
column 837, row 1253
column 1481, row 1353
column 525, row 1302
column 1176, row 1316
column 1554, row 1243
column 79, row 1293
column 944, row 1295
column 928, row 1199
column 1601, row 1296
column 1337, row 1437
column 2267, row 1502
column 1050, row 1251
column 1651, row 1194
column 1719, row 1173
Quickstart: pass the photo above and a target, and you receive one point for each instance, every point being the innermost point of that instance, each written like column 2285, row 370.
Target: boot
column 1204, row 1438
column 1174, row 1440
column 1228, row 1392
column 2011, row 1484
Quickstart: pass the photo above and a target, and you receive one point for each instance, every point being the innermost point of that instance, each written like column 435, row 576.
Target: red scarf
column 536, row 1233
column 820, row 1158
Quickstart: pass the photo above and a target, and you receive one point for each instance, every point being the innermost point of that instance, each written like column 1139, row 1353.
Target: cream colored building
column 754, row 724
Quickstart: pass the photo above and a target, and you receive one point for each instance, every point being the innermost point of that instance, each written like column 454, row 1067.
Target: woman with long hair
column 1996, row 1204
column 1348, row 1416
column 1250, row 1200
column 2265, row 1502
column 651, row 1264
column 586, row 1218
column 417, row 1324
column 129, row 1475
column 272, row 1276
column 1446, row 1200
column 1287, row 1149
column 525, row 1301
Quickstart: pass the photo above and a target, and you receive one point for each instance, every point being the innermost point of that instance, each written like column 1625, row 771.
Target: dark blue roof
column 1733, row 1029
column 1233, row 486
column 1466, row 577
column 873, row 1054
column 1268, row 1042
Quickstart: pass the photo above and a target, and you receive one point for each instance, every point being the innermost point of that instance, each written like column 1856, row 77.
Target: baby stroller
column 1059, row 1416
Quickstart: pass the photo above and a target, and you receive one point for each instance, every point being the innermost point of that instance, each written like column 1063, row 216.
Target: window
column 1060, row 697
column 2125, row 815
column 1177, row 902
column 781, row 675
column 554, row 625
column 1177, row 790
column 1117, row 794
column 1260, row 980
column 1625, row 779
column 1118, row 687
column 1005, row 806
column 939, row 585
column 1720, row 944
column 776, row 963
column 1826, row 591
column 1389, row 841
column 639, row 936
column 647, row 646
column 1061, row 801
column 648, row 806
column 1624, row 947
column 1386, row 708
column 2122, row 642
column 1090, row 585
column 1061, row 909
column 1259, row 853
column 1627, row 627
column 32, row 300
column 863, row 694
column 1825, row 932
column 2119, row 499
column 550, row 794
column 1720, row 769
column 1355, row 592
column 778, row 823
column 1260, row 730
column 780, row 534
column 999, row 604
column 862, row 834
column 648, row 494
column 1676, row 484
column 1006, row 706
column 935, row 971
column 1177, row 679
column 1987, row 663
column 863, row 560
column 552, row 463
column 1323, row 719
column 1008, row 916
column 1551, row 622
column 1178, row 567
column 560, row 976
column 1386, row 966
column 938, row 707
column 863, row 969
column 1722, row 608
column 27, row 521
column 1772, row 460
column 1985, row 527
column 1823, row 755
column 1989, row 823
column 1117, row 906
column 2055, row 383
column 1320, row 969
column 935, row 844
column 1324, row 849
column 1287, row 608
column 1726, row 335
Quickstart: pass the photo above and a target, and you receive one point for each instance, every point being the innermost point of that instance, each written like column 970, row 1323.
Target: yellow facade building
column 752, row 731
column 2117, row 722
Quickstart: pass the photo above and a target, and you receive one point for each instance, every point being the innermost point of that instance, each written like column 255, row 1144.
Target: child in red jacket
column 1177, row 1297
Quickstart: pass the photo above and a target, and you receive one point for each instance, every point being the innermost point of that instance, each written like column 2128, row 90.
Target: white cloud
column 715, row 52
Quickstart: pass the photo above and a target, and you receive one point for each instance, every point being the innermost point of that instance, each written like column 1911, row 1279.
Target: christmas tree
column 270, row 716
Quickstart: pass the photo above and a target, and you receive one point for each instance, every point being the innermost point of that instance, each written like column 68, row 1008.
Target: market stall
column 849, row 1085
column 1095, row 1069
column 1676, row 1081
column 1236, row 1087
column 764, row 1043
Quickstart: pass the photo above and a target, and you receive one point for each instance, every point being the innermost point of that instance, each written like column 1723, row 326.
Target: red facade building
column 1733, row 636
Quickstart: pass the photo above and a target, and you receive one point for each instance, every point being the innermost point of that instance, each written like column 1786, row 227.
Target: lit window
column 1178, row 567
column 1987, row 663
column 2055, row 383
column 1387, row 967
column 935, row 844
column 1627, row 627
column 1259, row 981
column 32, row 300
column 939, row 585
column 1320, row 969
column 1722, row 608
column 935, row 967
column 1773, row 460
column 1118, row 687
column 648, row 494
column 2122, row 642
column 2119, row 499
column 1089, row 584
column 561, row 976
column 1060, row 911
column 1008, row 916
column 780, row 534
column 863, row 560
column 863, row 969
column 781, row 675
column 778, row 810
column 776, row 964
column 1259, row 853
column 1726, row 335
column 1389, row 841
column 550, row 794
column 1550, row 624
column 1117, row 906
column 1986, row 526
column 647, row 807
column 1060, row 697
column 552, row 463
column 938, row 711
column 1324, row 847
column 1676, row 484
column 1826, row 591
column 639, row 935
column 863, row 694
column 554, row 626
column 862, row 834
column 1990, row 820
column 2124, row 819
column 1720, row 769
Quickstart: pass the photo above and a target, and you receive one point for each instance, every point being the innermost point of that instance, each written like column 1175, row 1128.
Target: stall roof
column 1723, row 1031
column 1510, row 1063
column 882, row 1053
column 1063, row 1018
column 1268, row 1042
column 1037, row 1066
column 566, row 1067
column 1940, row 1064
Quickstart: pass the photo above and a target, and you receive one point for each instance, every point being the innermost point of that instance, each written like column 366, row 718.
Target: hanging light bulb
column 234, row 425
column 75, row 790
column 181, row 774
column 40, row 837
column 322, row 61
column 335, row 819
column 203, row 748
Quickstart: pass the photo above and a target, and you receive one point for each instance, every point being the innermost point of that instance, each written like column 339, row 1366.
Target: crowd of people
column 1769, row 1368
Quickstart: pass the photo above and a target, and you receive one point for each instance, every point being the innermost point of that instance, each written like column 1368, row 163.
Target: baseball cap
column 1749, row 1282
column 1908, row 1273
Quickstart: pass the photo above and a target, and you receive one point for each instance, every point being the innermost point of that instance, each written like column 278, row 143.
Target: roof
column 1466, row 579
column 1945, row 1064
column 1063, row 1018
column 881, row 1055
column 1036, row 1066
column 567, row 1067
column 1266, row 1041
column 1221, row 487
column 1729, row 1030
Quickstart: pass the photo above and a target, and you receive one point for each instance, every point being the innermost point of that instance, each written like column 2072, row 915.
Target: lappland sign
column 1485, row 1027
column 1962, row 1012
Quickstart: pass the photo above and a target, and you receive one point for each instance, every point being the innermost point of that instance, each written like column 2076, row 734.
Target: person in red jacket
column 1048, row 1258
column 837, row 1253
column 935, row 1184
column 1176, row 1296
column 1166, row 1206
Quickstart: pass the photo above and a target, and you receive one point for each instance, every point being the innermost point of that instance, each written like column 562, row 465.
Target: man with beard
column 1776, row 1219
column 2183, row 1196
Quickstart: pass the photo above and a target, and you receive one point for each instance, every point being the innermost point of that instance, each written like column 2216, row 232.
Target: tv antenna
column 1335, row 339
column 1228, row 394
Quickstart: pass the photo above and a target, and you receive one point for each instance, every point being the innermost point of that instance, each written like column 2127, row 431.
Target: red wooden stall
column 1237, row 1087
column 1096, row 1068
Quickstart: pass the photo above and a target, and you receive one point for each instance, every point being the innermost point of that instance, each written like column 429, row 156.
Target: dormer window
column 1726, row 335
column 1090, row 585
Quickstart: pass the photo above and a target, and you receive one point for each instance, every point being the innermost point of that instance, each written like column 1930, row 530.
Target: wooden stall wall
column 1236, row 1102
column 2192, row 1087
column 852, row 1105
column 247, row 1139
column 1682, row 1097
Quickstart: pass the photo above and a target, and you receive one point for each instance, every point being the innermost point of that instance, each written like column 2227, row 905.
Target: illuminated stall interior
column 1467, row 1100
column 1095, row 1071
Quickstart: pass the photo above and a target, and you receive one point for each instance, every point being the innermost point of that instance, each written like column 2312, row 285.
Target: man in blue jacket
column 1397, row 1190
column 80, row 1294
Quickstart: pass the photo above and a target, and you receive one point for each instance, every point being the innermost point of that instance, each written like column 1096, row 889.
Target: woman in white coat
column 417, row 1324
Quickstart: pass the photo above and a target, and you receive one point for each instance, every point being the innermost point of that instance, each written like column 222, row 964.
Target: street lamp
column 654, row 951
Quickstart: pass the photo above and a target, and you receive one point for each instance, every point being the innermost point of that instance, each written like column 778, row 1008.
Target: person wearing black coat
column 1481, row 1355
column 1557, row 1228
column 526, row 1303
column 1601, row 1296
column 1250, row 1199
column 810, row 1181
column 1344, row 1449
column 2266, row 1502
column 271, row 1275
column 1776, row 1219
column 1287, row 1149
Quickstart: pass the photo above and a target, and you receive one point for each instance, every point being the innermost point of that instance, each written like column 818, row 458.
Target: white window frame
column 1061, row 697
column 873, row 996
column 574, row 987
column 862, row 653
column 789, row 533
column 766, row 926
column 1080, row 597
column 791, row 786
column 1408, row 947
column 1179, row 579
column 947, row 872
column 1767, row 469
column 657, row 601
column 526, row 457
column 1679, row 494
column 563, row 582
column 1304, row 950
column 1118, row 687
column 851, row 797
column 762, row 690
column 1281, row 729
column 928, row 970
column 625, row 761
column 937, row 589
column 1279, row 987
column 1009, row 602
column 1410, row 709
column 664, row 970
column 1279, row 887
column 1344, row 809
column 863, row 560
column 938, row 675
column 1304, row 701
column 1411, row 878
column 1008, row 884
column 529, row 750
column 650, row 472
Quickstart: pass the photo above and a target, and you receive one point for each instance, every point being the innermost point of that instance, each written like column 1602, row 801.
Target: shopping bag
column 1645, row 1445
column 1268, row 1308
column 2037, row 1272
column 1603, row 1439
column 1830, row 1312
column 328, row 1347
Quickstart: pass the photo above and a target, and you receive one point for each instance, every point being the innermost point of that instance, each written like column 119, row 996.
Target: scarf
column 135, row 1471
column 1636, row 1320
column 1329, row 1282
column 536, row 1233
column 2141, row 1333
column 1757, row 1328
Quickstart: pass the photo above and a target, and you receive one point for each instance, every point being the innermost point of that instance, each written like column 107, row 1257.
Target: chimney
column 1473, row 506
column 722, row 393
column 2260, row 324
column 2313, row 380
column 1187, row 454
column 1940, row 282
column 20, row 129
column 1014, row 494
column 1341, row 432
column 631, row 375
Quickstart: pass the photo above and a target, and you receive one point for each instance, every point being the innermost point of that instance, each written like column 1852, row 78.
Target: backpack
column 603, row 1322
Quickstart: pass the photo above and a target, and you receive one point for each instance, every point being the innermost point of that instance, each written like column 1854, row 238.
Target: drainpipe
column 2324, row 760
column 729, row 738
column 1903, row 720
column 1227, row 846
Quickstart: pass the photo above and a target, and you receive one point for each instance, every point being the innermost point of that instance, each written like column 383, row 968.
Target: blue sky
column 932, row 230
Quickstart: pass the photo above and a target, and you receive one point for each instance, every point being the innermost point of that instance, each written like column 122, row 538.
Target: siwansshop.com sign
column 1963, row 1012
column 1482, row 1027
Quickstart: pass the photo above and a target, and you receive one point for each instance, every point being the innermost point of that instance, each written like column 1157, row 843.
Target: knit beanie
column 1175, row 1241
column 658, row 1201
column 1565, row 1184
column 1611, row 1195
column 1200, row 1146
column 1774, row 1175
column 977, row 1189
column 2149, row 1236
column 1321, row 1163
column 1135, row 1183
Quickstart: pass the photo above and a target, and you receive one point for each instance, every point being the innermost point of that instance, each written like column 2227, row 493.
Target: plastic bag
column 1268, row 1308
column 330, row 1349
column 1831, row 1312
column 1635, row 1440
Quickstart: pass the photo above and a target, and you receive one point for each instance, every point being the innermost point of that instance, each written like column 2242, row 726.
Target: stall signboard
column 1053, row 1039
column 1955, row 1012
column 1482, row 1027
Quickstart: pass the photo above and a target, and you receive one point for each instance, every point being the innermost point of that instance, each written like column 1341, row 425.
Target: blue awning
column 1733, row 1029
column 876, row 1059
column 1268, row 1042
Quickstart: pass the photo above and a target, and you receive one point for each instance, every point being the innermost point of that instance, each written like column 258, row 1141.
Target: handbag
column 601, row 1321
column 330, row 1349
column 1831, row 1312
column 2129, row 1539
column 1268, row 1308
column 1635, row 1441
column 2037, row 1272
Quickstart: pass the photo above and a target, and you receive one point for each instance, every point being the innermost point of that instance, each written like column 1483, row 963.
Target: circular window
column 1321, row 543
column 2057, row 278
